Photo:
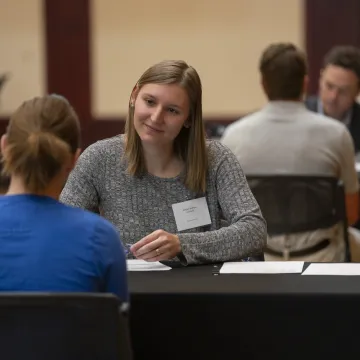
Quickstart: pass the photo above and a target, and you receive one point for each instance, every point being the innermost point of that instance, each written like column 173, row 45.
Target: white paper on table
column 333, row 269
column 262, row 267
column 142, row 265
column 357, row 166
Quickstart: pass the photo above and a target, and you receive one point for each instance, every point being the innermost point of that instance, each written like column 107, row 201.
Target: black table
column 190, row 313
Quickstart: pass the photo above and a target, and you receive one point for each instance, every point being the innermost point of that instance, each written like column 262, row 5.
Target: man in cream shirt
column 285, row 137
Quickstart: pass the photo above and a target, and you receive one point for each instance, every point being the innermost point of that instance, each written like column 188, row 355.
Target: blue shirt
column 48, row 246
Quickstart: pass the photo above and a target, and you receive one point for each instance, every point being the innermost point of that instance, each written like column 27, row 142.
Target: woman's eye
column 173, row 111
column 149, row 101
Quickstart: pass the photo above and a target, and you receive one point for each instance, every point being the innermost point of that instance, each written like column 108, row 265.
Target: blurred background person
column 339, row 87
column 286, row 138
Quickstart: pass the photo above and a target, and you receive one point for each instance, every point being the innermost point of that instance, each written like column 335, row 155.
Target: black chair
column 295, row 203
column 260, row 257
column 69, row 326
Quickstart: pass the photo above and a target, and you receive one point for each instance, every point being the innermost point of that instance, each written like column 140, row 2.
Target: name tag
column 191, row 214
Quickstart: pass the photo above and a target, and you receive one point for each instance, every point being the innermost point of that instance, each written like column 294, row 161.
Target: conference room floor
column 195, row 313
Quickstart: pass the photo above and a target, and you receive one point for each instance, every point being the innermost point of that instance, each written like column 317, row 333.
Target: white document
column 262, row 267
column 142, row 265
column 191, row 214
column 333, row 269
column 357, row 166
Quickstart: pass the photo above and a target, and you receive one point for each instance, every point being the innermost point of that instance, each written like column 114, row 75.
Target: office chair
column 300, row 203
column 260, row 257
column 63, row 326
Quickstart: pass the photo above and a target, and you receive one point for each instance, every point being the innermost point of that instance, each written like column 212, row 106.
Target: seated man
column 285, row 137
column 339, row 87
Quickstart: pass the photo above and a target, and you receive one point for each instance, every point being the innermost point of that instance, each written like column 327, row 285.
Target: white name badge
column 191, row 214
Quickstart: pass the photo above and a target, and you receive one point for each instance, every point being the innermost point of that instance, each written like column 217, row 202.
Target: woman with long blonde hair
column 162, row 184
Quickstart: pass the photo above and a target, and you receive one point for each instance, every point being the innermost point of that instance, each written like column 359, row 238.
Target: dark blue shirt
column 48, row 246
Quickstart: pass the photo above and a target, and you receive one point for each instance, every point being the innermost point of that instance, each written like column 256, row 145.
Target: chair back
column 299, row 203
column 66, row 326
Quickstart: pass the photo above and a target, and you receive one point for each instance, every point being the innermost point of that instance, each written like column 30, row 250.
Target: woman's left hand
column 157, row 246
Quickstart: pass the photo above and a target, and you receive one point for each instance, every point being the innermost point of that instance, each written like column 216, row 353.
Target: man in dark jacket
column 339, row 86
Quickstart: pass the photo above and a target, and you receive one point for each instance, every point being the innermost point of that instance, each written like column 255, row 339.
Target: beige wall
column 221, row 39
column 22, row 52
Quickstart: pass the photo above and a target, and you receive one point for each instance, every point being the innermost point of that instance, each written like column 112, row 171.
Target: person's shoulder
column 326, row 122
column 88, row 220
column 333, row 132
column 104, row 229
column 97, row 154
column 216, row 147
column 243, row 122
column 109, row 145
column 4, row 201
column 217, row 152
column 221, row 160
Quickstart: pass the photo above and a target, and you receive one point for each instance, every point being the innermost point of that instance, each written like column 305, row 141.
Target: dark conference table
column 190, row 313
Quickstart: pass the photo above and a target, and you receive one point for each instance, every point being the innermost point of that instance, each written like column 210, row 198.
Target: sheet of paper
column 142, row 265
column 357, row 166
column 262, row 267
column 333, row 269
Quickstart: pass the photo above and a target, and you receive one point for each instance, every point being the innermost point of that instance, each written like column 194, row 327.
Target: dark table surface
column 206, row 280
column 192, row 313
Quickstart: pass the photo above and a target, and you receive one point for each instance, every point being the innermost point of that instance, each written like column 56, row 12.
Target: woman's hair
column 4, row 182
column 42, row 134
column 189, row 145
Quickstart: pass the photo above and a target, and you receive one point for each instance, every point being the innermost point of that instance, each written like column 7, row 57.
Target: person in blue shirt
column 46, row 245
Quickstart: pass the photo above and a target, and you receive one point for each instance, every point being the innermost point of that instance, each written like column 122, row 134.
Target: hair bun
column 34, row 138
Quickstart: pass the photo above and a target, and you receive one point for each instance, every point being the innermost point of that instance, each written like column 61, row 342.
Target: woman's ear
column 134, row 95
column 187, row 124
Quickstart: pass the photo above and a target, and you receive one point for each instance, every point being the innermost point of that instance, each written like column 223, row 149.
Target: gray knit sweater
column 139, row 206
